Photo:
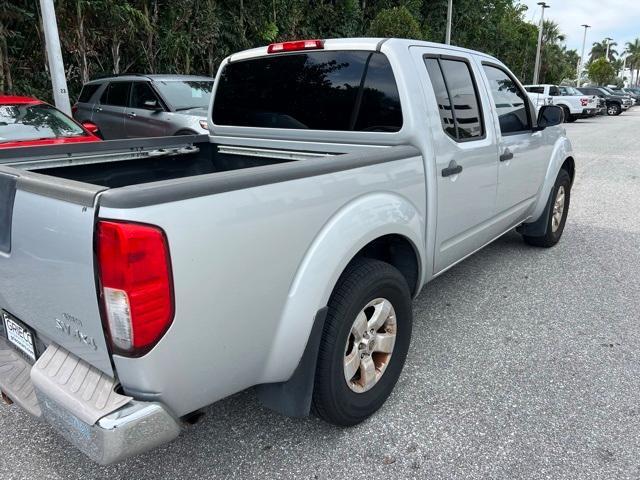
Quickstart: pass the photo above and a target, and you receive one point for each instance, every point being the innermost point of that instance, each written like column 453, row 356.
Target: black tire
column 614, row 109
column 551, row 237
column 362, row 281
column 567, row 114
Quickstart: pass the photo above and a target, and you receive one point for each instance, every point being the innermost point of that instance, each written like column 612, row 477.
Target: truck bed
column 127, row 164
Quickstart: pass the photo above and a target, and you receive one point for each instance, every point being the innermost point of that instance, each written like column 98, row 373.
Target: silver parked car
column 130, row 106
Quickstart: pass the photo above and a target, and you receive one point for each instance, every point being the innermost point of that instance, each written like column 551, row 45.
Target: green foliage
column 395, row 22
column 193, row 36
column 601, row 72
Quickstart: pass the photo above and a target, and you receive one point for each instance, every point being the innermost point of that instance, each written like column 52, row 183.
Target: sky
column 618, row 19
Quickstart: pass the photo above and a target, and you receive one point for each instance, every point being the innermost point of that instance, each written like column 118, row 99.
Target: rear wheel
column 557, row 211
column 567, row 114
column 365, row 342
column 614, row 109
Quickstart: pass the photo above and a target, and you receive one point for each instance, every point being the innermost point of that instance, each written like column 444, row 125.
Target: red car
column 26, row 121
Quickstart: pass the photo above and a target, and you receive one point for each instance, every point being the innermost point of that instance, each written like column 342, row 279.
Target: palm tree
column 599, row 50
column 552, row 37
column 633, row 59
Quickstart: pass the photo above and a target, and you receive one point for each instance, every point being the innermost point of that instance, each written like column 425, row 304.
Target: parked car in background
column 573, row 106
column 131, row 106
column 539, row 98
column 601, row 106
column 627, row 91
column 282, row 251
column 627, row 102
column 614, row 103
column 27, row 121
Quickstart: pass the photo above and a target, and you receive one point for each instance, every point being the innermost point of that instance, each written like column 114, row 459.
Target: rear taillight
column 295, row 46
column 136, row 284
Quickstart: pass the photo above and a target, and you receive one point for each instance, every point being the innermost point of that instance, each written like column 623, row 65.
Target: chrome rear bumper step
column 82, row 404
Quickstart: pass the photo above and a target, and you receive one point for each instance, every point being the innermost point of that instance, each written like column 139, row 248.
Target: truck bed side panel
column 235, row 255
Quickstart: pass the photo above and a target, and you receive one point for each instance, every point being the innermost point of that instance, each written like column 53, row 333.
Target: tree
column 599, row 50
column 601, row 71
column 633, row 59
column 395, row 22
column 193, row 36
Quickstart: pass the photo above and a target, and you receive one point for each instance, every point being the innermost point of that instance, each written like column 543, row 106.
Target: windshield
column 183, row 95
column 34, row 122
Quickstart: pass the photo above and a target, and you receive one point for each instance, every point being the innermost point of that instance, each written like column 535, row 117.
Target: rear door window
column 116, row 94
column 554, row 91
column 534, row 89
column 87, row 92
column 321, row 90
column 457, row 97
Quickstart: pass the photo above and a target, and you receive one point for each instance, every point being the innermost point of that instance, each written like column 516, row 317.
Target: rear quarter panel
column 252, row 267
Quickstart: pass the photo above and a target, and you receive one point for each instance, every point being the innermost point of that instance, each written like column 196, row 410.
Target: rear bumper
column 81, row 404
column 133, row 429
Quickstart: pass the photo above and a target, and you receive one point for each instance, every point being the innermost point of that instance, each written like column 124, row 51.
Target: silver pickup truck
column 143, row 280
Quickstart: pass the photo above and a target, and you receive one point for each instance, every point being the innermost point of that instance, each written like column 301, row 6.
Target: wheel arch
column 384, row 226
column 561, row 156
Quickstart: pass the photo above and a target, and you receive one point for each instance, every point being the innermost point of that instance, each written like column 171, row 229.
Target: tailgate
column 47, row 278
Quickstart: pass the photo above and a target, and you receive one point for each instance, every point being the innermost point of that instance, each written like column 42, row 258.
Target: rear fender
column 342, row 237
column 561, row 151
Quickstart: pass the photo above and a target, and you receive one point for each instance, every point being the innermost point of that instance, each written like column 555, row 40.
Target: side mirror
column 91, row 127
column 152, row 105
column 549, row 116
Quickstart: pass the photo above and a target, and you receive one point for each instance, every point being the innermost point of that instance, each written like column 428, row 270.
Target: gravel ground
column 525, row 363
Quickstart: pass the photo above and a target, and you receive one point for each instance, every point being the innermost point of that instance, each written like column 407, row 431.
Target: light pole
column 449, row 15
column 608, row 40
column 581, row 59
column 54, row 56
column 536, row 70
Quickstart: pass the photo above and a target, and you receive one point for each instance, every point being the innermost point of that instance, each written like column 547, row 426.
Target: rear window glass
column 87, row 92
column 117, row 94
column 312, row 90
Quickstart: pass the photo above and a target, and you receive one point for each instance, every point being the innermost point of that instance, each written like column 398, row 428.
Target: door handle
column 98, row 109
column 507, row 155
column 131, row 114
column 452, row 169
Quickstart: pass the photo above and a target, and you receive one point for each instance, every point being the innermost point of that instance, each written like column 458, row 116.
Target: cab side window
column 511, row 102
column 457, row 97
column 554, row 91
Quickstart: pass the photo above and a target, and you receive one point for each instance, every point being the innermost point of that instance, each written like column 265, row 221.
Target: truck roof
column 160, row 77
column 365, row 43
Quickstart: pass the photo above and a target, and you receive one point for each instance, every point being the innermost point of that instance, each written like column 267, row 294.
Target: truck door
column 108, row 114
column 466, row 154
column 523, row 153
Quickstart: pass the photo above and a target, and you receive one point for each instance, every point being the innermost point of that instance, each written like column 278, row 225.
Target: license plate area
column 20, row 336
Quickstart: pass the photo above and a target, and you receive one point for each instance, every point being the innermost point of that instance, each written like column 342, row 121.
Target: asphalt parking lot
column 525, row 363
